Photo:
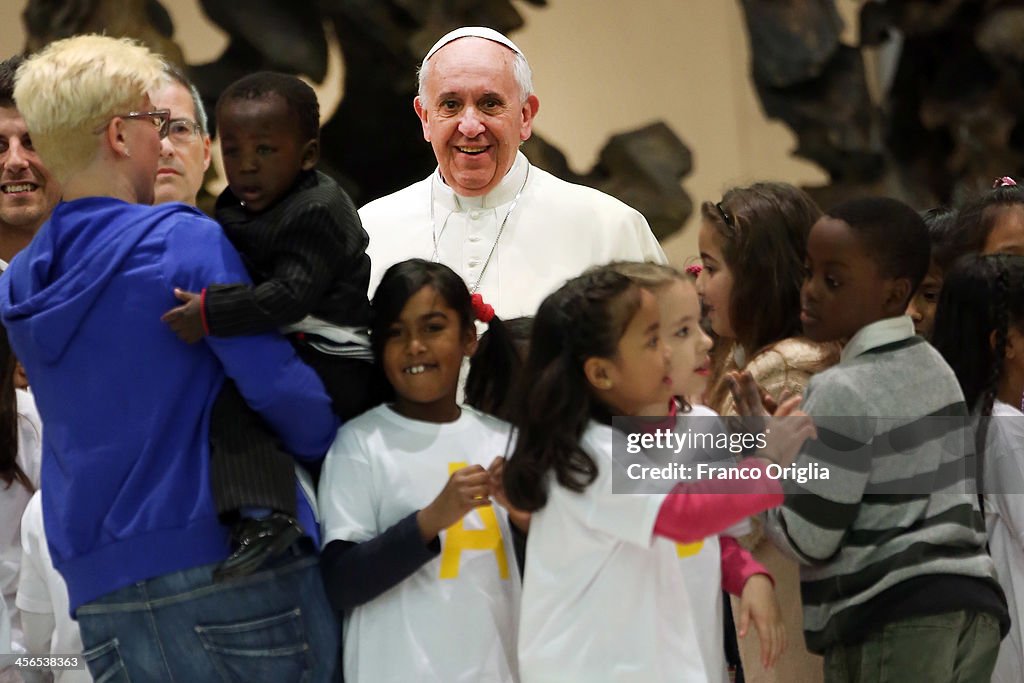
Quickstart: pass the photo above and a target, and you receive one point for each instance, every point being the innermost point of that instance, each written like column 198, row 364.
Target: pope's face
column 472, row 114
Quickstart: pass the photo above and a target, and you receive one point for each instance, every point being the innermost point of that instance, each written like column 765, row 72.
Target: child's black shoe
column 258, row 542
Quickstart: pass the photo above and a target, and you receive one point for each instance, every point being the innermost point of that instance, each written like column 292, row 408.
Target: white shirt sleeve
column 627, row 517
column 346, row 495
column 30, row 436
column 1004, row 460
column 649, row 246
column 33, row 594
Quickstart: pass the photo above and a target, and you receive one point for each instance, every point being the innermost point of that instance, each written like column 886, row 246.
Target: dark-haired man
column 28, row 192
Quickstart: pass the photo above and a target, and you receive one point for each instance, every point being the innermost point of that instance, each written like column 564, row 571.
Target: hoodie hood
column 51, row 286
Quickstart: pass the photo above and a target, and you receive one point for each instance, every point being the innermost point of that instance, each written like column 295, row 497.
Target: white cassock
column 555, row 231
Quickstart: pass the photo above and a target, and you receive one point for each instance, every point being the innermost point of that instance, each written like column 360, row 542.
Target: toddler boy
column 305, row 249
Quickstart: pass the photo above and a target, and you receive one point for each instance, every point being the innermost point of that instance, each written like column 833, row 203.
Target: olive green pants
column 956, row 647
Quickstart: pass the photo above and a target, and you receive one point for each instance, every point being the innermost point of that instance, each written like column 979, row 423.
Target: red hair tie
column 483, row 312
column 1005, row 181
column 694, row 269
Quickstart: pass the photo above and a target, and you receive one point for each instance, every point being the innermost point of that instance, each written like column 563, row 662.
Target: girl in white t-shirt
column 604, row 598
column 20, row 460
column 715, row 563
column 979, row 330
column 416, row 555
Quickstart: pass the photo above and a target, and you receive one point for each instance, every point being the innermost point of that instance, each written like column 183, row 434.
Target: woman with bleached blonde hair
column 126, row 495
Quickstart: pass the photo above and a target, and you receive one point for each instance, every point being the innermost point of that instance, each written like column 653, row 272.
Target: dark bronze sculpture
column 946, row 126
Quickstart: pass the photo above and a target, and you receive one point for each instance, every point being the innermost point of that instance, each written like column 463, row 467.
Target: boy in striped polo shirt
column 896, row 581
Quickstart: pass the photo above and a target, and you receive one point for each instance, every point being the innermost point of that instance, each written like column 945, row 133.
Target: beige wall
column 602, row 67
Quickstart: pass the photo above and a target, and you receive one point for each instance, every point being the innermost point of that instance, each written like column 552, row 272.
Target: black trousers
column 249, row 466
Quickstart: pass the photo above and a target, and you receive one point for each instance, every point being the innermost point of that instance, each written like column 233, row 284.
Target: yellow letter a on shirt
column 458, row 538
column 688, row 549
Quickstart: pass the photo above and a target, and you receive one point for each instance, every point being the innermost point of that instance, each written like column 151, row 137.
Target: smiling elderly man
column 514, row 232
column 28, row 192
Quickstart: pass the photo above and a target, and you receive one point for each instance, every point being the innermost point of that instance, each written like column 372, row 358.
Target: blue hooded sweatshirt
column 125, row 403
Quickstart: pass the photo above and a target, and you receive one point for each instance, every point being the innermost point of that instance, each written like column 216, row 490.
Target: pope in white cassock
column 514, row 232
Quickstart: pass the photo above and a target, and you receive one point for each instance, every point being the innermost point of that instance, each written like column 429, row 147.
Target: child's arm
column 359, row 561
column 33, row 597
column 748, row 579
column 696, row 510
column 718, row 504
column 738, row 565
column 310, row 249
column 271, row 378
column 355, row 573
column 811, row 526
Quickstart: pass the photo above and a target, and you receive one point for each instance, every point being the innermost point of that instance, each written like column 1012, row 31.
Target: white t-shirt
column 42, row 591
column 455, row 619
column 701, row 563
column 1004, row 519
column 603, row 599
column 555, row 231
column 13, row 500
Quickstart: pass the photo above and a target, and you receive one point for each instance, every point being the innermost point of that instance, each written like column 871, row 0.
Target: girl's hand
column 518, row 517
column 787, row 431
column 751, row 399
column 466, row 489
column 759, row 604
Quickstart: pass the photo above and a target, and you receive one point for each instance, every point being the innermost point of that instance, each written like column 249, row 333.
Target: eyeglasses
column 160, row 118
column 183, row 131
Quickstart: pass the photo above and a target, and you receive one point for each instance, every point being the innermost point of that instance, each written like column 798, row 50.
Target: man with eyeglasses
column 126, row 494
column 185, row 152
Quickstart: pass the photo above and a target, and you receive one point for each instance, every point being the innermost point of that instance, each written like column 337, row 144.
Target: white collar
column 503, row 193
column 880, row 333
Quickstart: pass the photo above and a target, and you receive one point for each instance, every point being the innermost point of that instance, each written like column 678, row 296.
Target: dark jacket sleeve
column 309, row 247
column 355, row 573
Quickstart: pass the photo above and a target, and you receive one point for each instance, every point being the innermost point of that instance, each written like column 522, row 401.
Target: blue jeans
column 275, row 625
